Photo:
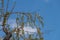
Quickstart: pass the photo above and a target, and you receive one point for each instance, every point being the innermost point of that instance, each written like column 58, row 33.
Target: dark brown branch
column 8, row 34
column 7, row 5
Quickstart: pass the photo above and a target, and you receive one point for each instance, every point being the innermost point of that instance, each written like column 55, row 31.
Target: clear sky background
column 48, row 9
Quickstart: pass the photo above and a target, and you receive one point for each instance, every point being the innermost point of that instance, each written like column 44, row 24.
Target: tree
column 21, row 20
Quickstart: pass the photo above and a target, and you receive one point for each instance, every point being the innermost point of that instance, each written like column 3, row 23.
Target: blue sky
column 48, row 9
